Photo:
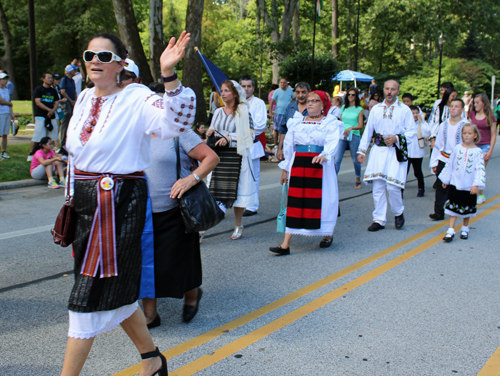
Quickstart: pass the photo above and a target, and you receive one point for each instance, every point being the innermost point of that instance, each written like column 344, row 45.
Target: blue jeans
column 353, row 148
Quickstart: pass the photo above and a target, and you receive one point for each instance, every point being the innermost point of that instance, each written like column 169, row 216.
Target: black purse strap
column 176, row 142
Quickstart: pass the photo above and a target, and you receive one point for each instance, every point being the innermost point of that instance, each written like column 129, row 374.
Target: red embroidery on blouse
column 159, row 103
column 92, row 120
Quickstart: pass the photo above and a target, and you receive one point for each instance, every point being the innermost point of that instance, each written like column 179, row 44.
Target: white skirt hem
column 85, row 325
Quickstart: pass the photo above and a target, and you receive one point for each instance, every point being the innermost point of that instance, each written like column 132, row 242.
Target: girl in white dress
column 465, row 175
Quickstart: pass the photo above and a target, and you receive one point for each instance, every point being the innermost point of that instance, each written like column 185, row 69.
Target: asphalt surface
column 386, row 303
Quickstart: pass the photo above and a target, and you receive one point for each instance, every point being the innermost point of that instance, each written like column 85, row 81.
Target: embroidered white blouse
column 120, row 142
column 434, row 118
column 447, row 138
column 465, row 168
column 322, row 133
column 382, row 161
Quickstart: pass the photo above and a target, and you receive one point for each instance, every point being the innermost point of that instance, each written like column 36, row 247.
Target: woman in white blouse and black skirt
column 232, row 182
column 109, row 147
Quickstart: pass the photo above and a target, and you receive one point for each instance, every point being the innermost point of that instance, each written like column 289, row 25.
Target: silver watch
column 196, row 176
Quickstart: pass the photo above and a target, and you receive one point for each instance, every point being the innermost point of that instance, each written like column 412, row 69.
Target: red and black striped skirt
column 305, row 193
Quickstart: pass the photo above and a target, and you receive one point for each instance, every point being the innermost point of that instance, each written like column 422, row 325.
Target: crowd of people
column 130, row 240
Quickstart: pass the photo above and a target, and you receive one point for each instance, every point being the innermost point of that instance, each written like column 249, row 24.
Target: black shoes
column 280, row 251
column 464, row 235
column 448, row 237
column 436, row 217
column 163, row 371
column 399, row 221
column 156, row 322
column 375, row 227
column 325, row 243
column 249, row 213
column 189, row 312
column 421, row 193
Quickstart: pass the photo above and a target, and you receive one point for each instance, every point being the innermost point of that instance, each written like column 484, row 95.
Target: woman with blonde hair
column 482, row 116
column 232, row 182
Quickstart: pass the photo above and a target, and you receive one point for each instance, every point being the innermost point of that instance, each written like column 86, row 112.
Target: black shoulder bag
column 198, row 207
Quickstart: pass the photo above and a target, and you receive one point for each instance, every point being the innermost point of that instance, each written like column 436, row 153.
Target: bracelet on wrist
column 169, row 78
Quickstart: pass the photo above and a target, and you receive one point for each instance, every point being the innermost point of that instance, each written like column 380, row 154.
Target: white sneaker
column 5, row 155
column 30, row 158
column 480, row 199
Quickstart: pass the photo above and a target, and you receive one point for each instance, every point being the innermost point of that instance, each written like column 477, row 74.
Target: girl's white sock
column 451, row 231
column 465, row 229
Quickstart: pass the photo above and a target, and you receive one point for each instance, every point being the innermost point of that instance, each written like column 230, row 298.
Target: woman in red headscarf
column 309, row 168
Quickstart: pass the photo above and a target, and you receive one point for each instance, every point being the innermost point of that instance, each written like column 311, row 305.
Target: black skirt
column 226, row 176
column 177, row 256
column 91, row 294
column 460, row 203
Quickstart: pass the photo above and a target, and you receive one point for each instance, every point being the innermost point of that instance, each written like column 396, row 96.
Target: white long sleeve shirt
column 447, row 138
column 120, row 142
column 464, row 169
column 258, row 111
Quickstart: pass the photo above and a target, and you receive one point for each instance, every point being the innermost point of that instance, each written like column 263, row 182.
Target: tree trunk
column 272, row 21
column 192, row 67
column 296, row 25
column 382, row 46
column 129, row 34
column 335, row 27
column 156, row 45
column 6, row 60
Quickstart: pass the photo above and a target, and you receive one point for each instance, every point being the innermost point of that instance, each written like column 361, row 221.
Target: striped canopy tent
column 349, row 75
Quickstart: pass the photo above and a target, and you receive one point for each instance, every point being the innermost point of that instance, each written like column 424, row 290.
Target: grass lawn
column 16, row 168
column 22, row 107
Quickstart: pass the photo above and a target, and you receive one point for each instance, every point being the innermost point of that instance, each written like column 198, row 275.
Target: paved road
column 387, row 303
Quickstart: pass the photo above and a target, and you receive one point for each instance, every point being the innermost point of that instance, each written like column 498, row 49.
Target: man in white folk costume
column 390, row 122
column 258, row 111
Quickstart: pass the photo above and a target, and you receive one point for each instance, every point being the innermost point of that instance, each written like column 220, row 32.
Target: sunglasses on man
column 102, row 56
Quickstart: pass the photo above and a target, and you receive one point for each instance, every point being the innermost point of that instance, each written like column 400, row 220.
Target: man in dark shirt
column 68, row 91
column 46, row 101
column 373, row 88
column 302, row 89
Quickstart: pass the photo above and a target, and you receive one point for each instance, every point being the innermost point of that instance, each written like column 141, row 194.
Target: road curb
column 21, row 184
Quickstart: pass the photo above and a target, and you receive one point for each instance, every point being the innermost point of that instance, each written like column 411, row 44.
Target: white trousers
column 380, row 200
column 256, row 174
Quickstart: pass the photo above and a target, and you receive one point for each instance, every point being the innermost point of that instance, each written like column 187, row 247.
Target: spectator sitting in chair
column 45, row 162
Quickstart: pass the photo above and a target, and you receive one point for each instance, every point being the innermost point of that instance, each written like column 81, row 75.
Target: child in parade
column 448, row 136
column 416, row 148
column 464, row 175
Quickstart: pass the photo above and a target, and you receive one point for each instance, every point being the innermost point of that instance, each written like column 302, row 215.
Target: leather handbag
column 211, row 141
column 281, row 219
column 199, row 209
column 64, row 228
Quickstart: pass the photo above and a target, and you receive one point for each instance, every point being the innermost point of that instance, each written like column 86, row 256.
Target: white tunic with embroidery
column 448, row 137
column 465, row 169
column 382, row 161
column 324, row 133
column 434, row 120
column 414, row 149
column 121, row 140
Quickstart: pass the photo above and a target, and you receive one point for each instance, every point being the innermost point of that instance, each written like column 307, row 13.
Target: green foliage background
column 397, row 38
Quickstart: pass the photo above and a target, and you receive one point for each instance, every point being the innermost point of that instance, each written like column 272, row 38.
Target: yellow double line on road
column 248, row 339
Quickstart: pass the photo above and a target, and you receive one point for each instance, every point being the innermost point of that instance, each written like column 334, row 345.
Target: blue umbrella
column 349, row 75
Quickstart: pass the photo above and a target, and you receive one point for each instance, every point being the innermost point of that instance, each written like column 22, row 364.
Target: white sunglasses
column 102, row 56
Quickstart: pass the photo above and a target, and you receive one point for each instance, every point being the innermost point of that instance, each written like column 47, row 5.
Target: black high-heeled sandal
column 163, row 371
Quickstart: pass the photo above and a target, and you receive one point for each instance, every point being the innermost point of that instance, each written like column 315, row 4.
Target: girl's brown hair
column 486, row 108
column 229, row 84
